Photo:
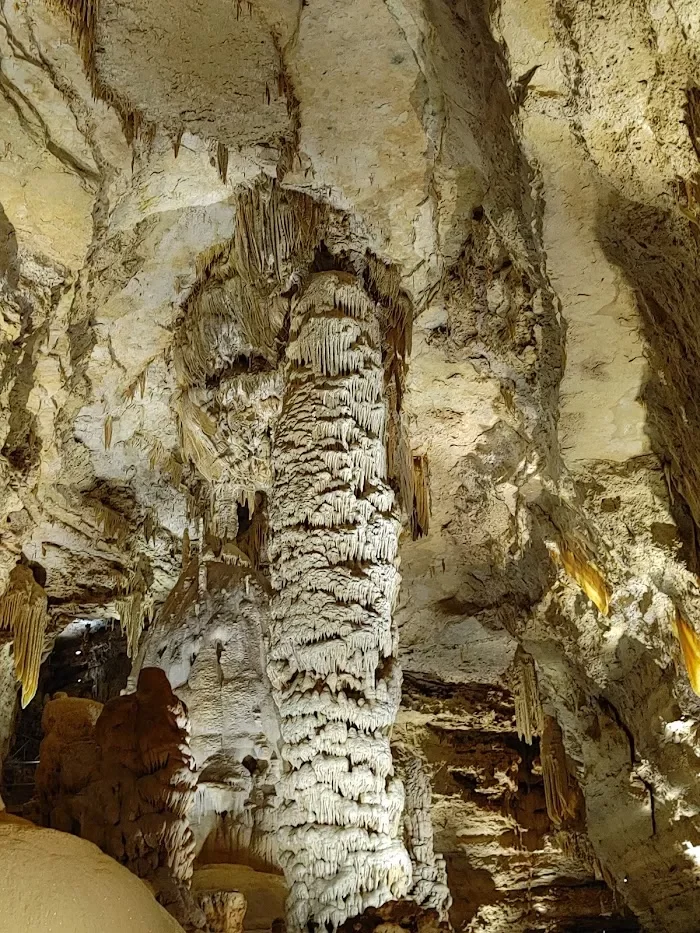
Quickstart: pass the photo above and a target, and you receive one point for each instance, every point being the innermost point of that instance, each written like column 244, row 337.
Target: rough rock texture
column 395, row 916
column 136, row 809
column 333, row 645
column 509, row 865
column 88, row 662
column 121, row 775
column 212, row 653
column 223, row 911
column 429, row 876
column 69, row 761
column 522, row 180
column 265, row 892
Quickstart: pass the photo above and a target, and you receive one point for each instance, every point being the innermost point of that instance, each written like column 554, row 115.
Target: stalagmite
column 69, row 760
column 333, row 644
column 136, row 810
column 23, row 612
column 223, row 911
column 429, row 872
column 214, row 660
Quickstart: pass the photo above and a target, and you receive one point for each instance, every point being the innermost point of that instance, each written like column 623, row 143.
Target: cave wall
column 526, row 174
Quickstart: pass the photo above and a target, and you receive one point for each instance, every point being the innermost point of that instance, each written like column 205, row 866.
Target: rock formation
column 210, row 646
column 51, row 880
column 333, row 644
column 121, row 775
column 23, row 613
column 69, row 761
column 223, row 911
column 430, row 888
column 291, row 292
column 136, row 809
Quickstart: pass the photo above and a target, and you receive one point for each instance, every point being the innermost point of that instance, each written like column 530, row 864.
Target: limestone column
column 333, row 643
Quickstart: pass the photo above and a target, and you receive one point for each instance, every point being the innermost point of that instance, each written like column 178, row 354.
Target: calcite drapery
column 209, row 642
column 333, row 643
column 23, row 612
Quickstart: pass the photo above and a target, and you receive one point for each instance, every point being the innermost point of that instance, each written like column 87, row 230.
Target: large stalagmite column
column 333, row 644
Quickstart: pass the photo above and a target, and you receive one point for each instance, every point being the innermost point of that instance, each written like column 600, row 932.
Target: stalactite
column 225, row 319
column 131, row 611
column 253, row 542
column 201, row 566
column 420, row 514
column 690, row 648
column 139, row 384
column 150, row 526
column 185, row 548
column 557, row 791
column 528, row 709
column 222, row 160
column 397, row 315
column 406, row 473
column 107, row 431
column 198, row 437
column 430, row 887
column 272, row 225
column 333, row 643
column 133, row 608
column 82, row 15
column 177, row 142
column 399, row 457
column 23, row 612
column 585, row 573
column 112, row 525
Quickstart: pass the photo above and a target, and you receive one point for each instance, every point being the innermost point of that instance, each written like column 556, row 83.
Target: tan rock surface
column 52, row 882
column 265, row 893
column 530, row 172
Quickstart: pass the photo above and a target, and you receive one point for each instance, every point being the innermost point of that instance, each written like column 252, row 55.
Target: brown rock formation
column 223, row 911
column 122, row 776
column 137, row 809
column 69, row 761
column 395, row 916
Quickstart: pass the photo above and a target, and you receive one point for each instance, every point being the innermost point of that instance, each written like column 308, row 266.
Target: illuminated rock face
column 210, row 645
column 333, row 643
column 53, row 881
column 526, row 174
